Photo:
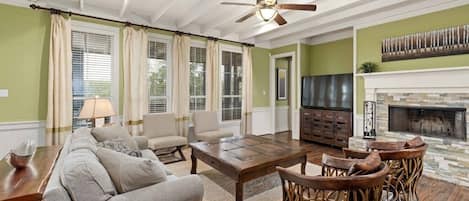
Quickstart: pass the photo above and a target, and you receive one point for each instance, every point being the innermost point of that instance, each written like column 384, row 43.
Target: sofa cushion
column 82, row 143
column 366, row 166
column 148, row 154
column 205, row 121
column 166, row 142
column 159, row 125
column 119, row 145
column 85, row 178
column 130, row 173
column 213, row 135
column 113, row 132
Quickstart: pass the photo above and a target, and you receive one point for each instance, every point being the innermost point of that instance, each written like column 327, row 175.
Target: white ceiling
column 208, row 17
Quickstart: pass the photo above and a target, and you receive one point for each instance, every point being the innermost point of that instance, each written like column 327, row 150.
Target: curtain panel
column 135, row 79
column 213, row 66
column 59, row 102
column 246, row 107
column 180, row 82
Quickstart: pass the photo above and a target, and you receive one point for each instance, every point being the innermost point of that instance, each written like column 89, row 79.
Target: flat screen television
column 333, row 92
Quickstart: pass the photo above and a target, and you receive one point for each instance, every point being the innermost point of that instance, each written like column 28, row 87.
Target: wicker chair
column 406, row 166
column 334, row 184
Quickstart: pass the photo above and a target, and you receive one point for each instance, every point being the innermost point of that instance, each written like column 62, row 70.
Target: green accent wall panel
column 331, row 58
column 369, row 44
column 24, row 50
column 260, row 72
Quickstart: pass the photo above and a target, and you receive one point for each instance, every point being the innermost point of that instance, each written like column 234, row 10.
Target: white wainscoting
column 261, row 123
column 13, row 133
column 233, row 126
column 281, row 119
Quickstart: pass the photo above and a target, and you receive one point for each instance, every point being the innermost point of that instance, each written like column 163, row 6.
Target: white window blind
column 158, row 73
column 197, row 79
column 92, row 56
column 231, row 79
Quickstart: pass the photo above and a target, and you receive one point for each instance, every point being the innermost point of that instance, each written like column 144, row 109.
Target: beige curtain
column 180, row 92
column 212, row 75
column 59, row 102
column 246, row 108
column 135, row 79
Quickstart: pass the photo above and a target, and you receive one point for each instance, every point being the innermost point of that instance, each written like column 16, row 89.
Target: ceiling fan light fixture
column 266, row 14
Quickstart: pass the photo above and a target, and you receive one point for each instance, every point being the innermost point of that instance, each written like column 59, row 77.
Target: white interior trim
column 13, row 133
column 291, row 85
column 331, row 37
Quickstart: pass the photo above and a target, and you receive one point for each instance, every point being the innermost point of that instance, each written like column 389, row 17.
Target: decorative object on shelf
column 281, row 84
column 369, row 121
column 368, row 67
column 442, row 42
column 20, row 156
column 96, row 108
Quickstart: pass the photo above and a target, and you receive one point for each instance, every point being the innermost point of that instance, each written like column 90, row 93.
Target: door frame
column 291, row 87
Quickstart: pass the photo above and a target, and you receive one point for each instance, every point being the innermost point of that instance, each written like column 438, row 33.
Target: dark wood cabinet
column 326, row 126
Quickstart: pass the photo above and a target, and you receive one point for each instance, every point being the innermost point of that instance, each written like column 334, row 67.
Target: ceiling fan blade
column 237, row 4
column 280, row 20
column 242, row 19
column 307, row 7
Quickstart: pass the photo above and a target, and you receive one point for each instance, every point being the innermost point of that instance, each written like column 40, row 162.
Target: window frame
column 94, row 28
column 168, row 40
column 228, row 48
column 199, row 44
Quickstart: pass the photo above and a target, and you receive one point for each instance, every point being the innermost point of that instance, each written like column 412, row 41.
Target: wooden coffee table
column 246, row 158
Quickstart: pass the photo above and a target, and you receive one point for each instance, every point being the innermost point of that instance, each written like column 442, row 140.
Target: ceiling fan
column 267, row 10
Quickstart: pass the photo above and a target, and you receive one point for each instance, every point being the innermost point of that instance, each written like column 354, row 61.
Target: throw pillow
column 119, row 145
column 113, row 132
column 414, row 143
column 366, row 166
column 130, row 173
column 85, row 178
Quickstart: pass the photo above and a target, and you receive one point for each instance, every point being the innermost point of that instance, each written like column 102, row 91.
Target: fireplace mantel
column 441, row 87
column 454, row 77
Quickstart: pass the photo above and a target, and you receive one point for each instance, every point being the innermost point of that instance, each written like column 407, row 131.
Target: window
column 197, row 79
column 92, row 69
column 231, row 71
column 158, row 76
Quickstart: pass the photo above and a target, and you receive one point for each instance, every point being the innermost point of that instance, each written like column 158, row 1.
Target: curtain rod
column 126, row 23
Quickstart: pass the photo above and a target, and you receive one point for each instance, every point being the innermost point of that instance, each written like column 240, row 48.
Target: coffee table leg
column 303, row 165
column 194, row 164
column 239, row 191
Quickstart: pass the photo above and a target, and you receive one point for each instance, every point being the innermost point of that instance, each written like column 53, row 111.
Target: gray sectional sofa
column 93, row 183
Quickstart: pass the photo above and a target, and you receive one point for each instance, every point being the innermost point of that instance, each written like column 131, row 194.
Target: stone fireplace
column 428, row 103
column 438, row 122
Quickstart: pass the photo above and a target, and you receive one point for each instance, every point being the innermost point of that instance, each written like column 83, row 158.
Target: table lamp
column 95, row 108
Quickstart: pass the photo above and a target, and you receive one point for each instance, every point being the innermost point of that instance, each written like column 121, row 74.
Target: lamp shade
column 96, row 108
column 266, row 14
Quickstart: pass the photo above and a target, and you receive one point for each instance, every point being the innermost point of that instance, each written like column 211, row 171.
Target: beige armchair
column 206, row 127
column 161, row 131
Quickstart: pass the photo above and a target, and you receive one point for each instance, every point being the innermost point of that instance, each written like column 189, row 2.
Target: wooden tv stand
column 326, row 126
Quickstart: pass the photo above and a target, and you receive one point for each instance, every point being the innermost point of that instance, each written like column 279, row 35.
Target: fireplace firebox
column 429, row 121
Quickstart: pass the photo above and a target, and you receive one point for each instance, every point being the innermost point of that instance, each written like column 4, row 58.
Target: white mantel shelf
column 391, row 73
column 444, row 80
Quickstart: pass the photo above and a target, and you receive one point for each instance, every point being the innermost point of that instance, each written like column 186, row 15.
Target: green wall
column 24, row 50
column 369, row 44
column 331, row 58
column 260, row 72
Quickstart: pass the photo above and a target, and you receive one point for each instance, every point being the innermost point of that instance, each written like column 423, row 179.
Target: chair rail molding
column 13, row 133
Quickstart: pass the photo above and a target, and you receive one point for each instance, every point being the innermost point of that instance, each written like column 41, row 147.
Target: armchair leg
column 183, row 158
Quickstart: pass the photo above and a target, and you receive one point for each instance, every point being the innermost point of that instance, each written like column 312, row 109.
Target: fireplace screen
column 429, row 121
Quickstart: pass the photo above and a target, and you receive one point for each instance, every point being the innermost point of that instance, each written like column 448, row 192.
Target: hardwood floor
column 429, row 189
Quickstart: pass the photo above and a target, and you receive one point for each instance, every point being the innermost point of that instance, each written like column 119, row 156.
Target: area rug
column 218, row 187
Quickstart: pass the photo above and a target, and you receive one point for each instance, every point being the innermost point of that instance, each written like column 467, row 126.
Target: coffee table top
column 249, row 151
